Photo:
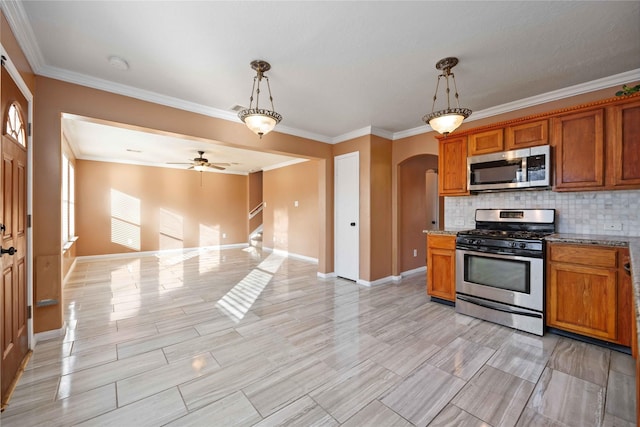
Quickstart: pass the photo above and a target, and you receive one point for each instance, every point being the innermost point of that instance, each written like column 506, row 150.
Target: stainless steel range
column 500, row 267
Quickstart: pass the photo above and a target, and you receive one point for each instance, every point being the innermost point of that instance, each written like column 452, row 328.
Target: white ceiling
column 337, row 67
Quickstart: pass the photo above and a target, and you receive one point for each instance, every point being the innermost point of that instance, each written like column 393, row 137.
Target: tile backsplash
column 615, row 213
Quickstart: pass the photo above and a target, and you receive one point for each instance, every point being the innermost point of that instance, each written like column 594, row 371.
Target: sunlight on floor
column 237, row 302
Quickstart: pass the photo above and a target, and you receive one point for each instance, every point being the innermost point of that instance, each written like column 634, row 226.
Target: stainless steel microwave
column 510, row 170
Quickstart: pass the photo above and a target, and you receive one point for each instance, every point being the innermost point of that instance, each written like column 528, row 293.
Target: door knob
column 2, row 228
column 353, row 224
column 9, row 251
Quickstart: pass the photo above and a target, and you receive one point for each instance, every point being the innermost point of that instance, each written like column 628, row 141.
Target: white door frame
column 17, row 78
column 355, row 154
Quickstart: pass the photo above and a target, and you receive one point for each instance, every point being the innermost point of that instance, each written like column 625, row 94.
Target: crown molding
column 579, row 89
column 21, row 27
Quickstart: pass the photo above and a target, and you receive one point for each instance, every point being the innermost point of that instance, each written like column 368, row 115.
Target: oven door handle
column 500, row 307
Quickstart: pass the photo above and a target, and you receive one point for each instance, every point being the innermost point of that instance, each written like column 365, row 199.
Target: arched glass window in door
column 14, row 125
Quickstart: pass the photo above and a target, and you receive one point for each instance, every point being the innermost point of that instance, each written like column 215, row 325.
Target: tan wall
column 175, row 209
column 412, row 210
column 287, row 227
column 380, row 189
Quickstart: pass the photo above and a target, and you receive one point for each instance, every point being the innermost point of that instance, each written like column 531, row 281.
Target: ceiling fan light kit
column 260, row 121
column 448, row 119
column 201, row 164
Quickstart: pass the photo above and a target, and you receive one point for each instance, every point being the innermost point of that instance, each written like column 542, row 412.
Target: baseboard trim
column 160, row 252
column 375, row 282
column 50, row 335
column 290, row 254
column 330, row 275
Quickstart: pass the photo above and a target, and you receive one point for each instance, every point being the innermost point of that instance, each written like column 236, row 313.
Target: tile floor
column 242, row 337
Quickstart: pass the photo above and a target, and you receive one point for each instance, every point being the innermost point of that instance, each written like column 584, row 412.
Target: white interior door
column 347, row 215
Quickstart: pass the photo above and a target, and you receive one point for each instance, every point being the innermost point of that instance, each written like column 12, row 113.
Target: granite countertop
column 449, row 232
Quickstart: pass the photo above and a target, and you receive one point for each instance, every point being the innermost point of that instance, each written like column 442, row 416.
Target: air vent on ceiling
column 237, row 108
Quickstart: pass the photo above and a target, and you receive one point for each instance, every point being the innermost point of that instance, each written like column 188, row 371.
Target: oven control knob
column 513, row 244
column 523, row 245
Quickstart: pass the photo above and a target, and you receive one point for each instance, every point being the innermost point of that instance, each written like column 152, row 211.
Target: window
column 14, row 126
column 68, row 200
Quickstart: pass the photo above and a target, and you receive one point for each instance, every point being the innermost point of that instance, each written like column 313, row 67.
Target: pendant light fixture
column 259, row 120
column 447, row 120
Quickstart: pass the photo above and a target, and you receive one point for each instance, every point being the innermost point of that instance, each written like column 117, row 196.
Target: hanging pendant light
column 259, row 120
column 447, row 120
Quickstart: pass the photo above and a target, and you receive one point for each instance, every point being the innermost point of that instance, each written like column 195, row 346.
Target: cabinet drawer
column 584, row 255
column 486, row 142
column 441, row 242
column 527, row 135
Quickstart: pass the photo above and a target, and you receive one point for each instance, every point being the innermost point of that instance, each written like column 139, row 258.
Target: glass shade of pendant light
column 449, row 119
column 261, row 121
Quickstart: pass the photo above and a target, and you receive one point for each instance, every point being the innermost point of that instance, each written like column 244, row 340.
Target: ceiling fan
column 201, row 164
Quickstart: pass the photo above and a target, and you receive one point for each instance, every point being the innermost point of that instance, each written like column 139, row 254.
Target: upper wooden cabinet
column 623, row 143
column 578, row 139
column 452, row 166
column 491, row 141
column 526, row 135
column 596, row 146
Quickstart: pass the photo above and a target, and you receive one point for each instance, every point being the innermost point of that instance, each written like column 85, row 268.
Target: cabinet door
column 527, row 135
column 579, row 150
column 441, row 273
column 441, row 268
column 486, row 142
column 583, row 300
column 626, row 319
column 452, row 167
column 623, row 131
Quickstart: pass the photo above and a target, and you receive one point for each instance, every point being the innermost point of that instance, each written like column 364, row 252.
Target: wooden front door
column 13, row 236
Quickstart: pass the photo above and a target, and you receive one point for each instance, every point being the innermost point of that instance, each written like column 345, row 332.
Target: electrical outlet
column 295, row 203
column 612, row 226
column 415, row 252
column 224, row 235
column 459, row 221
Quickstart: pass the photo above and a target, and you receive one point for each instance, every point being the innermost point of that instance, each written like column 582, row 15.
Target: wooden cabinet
column 525, row 135
column 490, row 141
column 452, row 166
column 578, row 139
column 587, row 293
column 623, row 144
column 598, row 149
column 441, row 266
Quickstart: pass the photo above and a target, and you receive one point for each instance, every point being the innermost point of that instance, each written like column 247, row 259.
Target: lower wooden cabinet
column 441, row 266
column 588, row 292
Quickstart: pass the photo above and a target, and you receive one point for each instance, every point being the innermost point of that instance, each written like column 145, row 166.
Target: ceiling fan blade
column 216, row 167
column 220, row 164
column 178, row 163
